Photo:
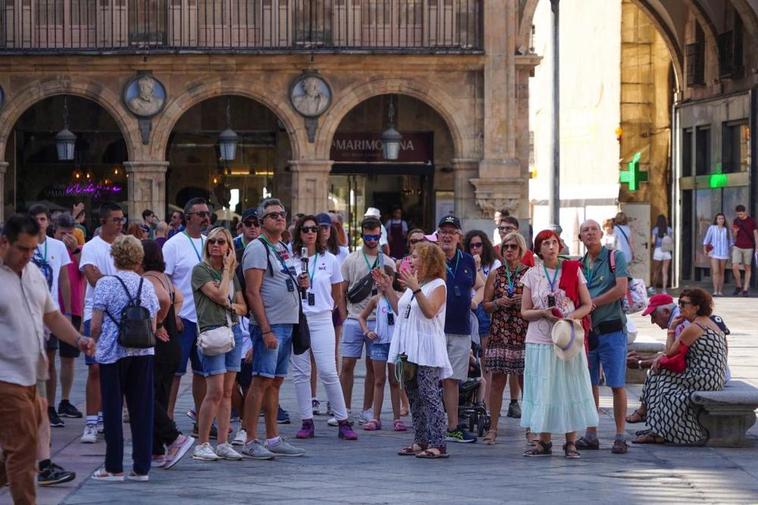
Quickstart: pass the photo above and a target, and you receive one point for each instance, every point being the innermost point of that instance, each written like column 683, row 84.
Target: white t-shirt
column 342, row 254
column 384, row 329
column 50, row 256
column 96, row 252
column 324, row 270
column 181, row 253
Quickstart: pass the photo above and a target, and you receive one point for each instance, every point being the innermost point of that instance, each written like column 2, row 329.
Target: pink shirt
column 76, row 281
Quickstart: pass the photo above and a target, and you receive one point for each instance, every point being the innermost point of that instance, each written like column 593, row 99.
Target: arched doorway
column 36, row 174
column 420, row 181
column 196, row 167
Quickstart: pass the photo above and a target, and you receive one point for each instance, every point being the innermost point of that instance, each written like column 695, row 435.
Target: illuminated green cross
column 632, row 176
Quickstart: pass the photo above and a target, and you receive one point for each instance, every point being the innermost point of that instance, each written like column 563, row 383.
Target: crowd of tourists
column 427, row 312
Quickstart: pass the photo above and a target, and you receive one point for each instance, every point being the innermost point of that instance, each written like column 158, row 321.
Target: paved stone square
column 369, row 471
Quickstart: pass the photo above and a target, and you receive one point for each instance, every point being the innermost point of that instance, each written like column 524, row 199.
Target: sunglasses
column 202, row 213
column 416, row 241
column 509, row 247
column 250, row 223
column 684, row 303
column 219, row 241
column 477, row 245
column 276, row 215
column 309, row 229
column 372, row 238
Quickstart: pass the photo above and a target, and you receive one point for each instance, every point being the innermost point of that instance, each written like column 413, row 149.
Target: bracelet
column 267, row 331
column 416, row 290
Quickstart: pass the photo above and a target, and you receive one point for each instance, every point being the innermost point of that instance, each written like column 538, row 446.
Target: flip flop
column 432, row 453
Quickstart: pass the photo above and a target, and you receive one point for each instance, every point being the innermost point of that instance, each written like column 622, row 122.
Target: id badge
column 457, row 290
column 290, row 285
column 391, row 318
column 408, row 311
column 551, row 300
column 311, row 299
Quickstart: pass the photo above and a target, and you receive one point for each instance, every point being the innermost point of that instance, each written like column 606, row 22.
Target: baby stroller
column 471, row 411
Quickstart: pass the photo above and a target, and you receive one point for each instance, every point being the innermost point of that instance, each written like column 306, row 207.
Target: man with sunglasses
column 356, row 266
column 274, row 300
column 507, row 225
column 95, row 262
column 251, row 228
column 181, row 253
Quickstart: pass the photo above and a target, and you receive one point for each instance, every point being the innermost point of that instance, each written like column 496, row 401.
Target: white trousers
column 323, row 342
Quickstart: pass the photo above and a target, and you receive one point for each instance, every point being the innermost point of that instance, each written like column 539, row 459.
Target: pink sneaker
column 346, row 431
column 307, row 430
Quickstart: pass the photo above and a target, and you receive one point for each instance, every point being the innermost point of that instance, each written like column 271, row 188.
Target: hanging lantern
column 65, row 140
column 391, row 138
column 227, row 140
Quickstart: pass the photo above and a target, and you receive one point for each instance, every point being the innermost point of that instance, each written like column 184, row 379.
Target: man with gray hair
column 274, row 300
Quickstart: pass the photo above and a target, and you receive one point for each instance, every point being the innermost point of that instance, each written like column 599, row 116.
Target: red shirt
column 743, row 237
column 76, row 280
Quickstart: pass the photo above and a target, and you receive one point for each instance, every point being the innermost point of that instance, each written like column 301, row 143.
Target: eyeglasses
column 684, row 303
column 416, row 241
column 202, row 213
column 219, row 241
column 276, row 215
column 309, row 229
column 250, row 223
column 372, row 238
column 118, row 220
column 506, row 228
column 476, row 245
column 509, row 247
column 447, row 232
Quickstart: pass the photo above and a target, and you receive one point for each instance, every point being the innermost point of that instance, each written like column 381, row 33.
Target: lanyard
column 555, row 277
column 40, row 254
column 365, row 258
column 285, row 268
column 509, row 277
column 457, row 260
column 192, row 242
column 312, row 275
column 588, row 273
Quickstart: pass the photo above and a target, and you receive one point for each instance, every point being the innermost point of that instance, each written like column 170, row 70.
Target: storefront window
column 735, row 147
column 703, row 151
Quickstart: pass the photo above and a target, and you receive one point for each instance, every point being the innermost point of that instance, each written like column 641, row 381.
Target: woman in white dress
column 716, row 244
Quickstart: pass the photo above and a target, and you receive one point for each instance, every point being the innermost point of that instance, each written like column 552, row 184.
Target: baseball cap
column 250, row 213
column 656, row 301
column 373, row 212
column 323, row 219
column 65, row 220
column 450, row 220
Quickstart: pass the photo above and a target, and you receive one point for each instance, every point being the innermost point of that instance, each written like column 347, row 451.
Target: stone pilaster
column 3, row 169
column 310, row 186
column 146, row 186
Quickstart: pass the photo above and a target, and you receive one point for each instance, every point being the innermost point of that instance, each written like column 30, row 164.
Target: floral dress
column 506, row 348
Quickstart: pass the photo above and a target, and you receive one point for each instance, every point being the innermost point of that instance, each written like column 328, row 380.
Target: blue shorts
column 86, row 332
column 611, row 354
column 380, row 352
column 484, row 320
column 188, row 344
column 353, row 339
column 272, row 362
column 223, row 363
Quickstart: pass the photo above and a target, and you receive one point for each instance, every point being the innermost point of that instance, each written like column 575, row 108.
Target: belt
column 608, row 327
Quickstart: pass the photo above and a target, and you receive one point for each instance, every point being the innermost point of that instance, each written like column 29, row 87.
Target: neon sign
column 92, row 189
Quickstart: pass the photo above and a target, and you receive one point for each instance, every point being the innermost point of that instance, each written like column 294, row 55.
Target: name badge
column 311, row 299
column 391, row 318
column 290, row 285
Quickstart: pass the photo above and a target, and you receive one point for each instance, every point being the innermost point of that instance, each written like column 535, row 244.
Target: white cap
column 373, row 212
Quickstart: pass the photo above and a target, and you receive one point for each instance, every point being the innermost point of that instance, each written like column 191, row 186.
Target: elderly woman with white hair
column 125, row 371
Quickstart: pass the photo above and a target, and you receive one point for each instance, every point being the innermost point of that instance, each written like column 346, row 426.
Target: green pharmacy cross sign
column 632, row 176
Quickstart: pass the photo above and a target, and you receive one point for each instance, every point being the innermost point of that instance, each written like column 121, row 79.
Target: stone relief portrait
column 144, row 96
column 310, row 95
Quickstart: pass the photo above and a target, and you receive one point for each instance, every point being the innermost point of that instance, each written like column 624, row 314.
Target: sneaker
column 55, row 421
column 316, row 407
column 100, row 426
column 737, row 291
column 176, row 451
column 587, row 445
column 332, row 421
column 307, row 430
column 514, row 410
column 139, row 478
column 192, row 414
column 104, row 476
column 204, row 452
column 282, row 416
column 90, row 434
column 240, row 438
column 159, row 461
column 346, row 431
column 65, row 409
column 54, row 474
column 227, row 452
column 256, row 450
column 366, row 416
column 284, row 448
column 461, row 436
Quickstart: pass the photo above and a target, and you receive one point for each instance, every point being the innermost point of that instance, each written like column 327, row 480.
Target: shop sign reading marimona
column 417, row 147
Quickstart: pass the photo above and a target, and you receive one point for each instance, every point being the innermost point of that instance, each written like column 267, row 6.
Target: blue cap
column 324, row 219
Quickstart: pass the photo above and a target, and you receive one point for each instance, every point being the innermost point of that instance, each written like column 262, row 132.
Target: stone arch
column 432, row 96
column 195, row 94
column 24, row 98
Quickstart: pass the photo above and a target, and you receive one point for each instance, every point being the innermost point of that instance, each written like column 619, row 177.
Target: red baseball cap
column 656, row 301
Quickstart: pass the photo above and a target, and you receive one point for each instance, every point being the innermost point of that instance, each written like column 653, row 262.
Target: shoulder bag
column 219, row 340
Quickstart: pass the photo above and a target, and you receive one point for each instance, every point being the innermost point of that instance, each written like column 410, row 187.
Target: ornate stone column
column 310, row 186
column 3, row 169
column 146, row 187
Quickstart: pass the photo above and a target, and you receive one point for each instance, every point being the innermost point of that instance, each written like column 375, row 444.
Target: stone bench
column 646, row 348
column 727, row 414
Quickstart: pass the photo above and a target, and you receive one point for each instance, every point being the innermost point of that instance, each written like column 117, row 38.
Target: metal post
column 555, row 191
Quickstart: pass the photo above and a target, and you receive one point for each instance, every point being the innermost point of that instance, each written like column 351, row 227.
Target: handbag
column 405, row 371
column 219, row 340
column 635, row 298
column 301, row 332
column 676, row 363
column 667, row 244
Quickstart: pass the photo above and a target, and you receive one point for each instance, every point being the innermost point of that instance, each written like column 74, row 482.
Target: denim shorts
column 272, row 362
column 353, row 339
column 611, row 354
column 380, row 352
column 188, row 344
column 223, row 363
column 86, row 332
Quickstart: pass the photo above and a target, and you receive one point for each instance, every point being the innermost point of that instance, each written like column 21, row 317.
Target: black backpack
column 135, row 328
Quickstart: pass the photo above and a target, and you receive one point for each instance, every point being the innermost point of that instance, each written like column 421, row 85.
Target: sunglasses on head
column 219, row 241
column 309, row 229
column 276, row 215
column 250, row 223
column 372, row 238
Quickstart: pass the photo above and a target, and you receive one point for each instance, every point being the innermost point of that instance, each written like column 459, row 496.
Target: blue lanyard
column 509, row 278
column 588, row 273
column 312, row 275
column 40, row 254
column 457, row 260
column 365, row 258
column 555, row 277
column 192, row 243
column 285, row 268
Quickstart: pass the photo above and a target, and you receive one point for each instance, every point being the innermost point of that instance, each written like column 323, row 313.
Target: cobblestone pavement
column 369, row 472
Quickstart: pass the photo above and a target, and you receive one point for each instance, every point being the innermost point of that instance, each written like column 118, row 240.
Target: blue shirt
column 600, row 280
column 461, row 276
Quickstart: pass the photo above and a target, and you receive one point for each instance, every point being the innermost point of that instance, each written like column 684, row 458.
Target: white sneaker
column 204, row 452
column 240, row 438
column 225, row 451
column 90, row 434
column 332, row 421
column 366, row 416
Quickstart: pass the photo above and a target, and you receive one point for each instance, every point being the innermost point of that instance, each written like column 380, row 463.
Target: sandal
column 636, row 417
column 569, row 450
column 489, row 438
column 403, row 411
column 433, row 453
column 649, row 438
column 531, row 438
column 399, row 425
column 540, row 449
column 412, row 450
column 373, row 425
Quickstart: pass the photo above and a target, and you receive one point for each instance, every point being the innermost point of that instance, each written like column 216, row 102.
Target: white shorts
column 660, row 255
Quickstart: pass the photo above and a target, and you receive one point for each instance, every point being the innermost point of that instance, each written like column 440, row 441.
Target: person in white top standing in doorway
column 95, row 262
column 181, row 253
